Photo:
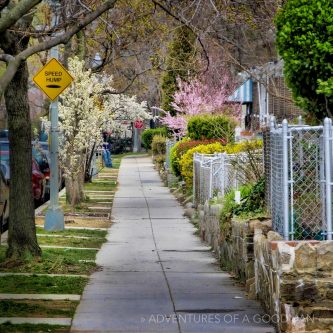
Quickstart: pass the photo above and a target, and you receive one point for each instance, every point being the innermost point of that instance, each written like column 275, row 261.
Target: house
column 264, row 93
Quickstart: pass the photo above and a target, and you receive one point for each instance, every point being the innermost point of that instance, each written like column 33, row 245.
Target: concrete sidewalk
column 157, row 275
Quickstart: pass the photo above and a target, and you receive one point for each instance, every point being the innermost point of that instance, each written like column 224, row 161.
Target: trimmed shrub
column 181, row 147
column 211, row 127
column 158, row 145
column 159, row 161
column 148, row 134
column 186, row 161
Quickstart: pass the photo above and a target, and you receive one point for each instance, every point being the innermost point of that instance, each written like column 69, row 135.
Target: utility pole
column 54, row 218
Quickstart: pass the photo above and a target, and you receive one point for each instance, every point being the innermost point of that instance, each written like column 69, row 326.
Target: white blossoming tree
column 85, row 111
column 79, row 125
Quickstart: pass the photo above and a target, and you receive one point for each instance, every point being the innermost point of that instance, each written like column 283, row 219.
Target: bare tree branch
column 179, row 19
column 13, row 15
column 112, row 92
column 6, row 57
column 61, row 39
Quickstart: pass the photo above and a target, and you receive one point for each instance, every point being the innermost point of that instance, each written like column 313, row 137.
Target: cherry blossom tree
column 207, row 93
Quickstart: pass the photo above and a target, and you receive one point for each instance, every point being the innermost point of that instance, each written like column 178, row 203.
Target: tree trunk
column 74, row 190
column 22, row 238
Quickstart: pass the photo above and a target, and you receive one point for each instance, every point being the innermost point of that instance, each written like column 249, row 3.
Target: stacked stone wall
column 293, row 280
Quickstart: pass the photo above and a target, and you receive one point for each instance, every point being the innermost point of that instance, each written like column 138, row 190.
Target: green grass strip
column 74, row 232
column 71, row 242
column 56, row 261
column 24, row 328
column 37, row 308
column 34, row 284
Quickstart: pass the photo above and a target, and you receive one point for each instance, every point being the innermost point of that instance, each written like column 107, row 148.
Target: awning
column 243, row 94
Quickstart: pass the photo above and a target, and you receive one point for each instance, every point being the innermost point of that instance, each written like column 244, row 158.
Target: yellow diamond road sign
column 53, row 79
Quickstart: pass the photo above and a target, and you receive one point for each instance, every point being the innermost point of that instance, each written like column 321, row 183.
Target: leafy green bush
column 186, row 160
column 305, row 42
column 229, row 206
column 148, row 134
column 211, row 127
column 158, row 145
column 252, row 203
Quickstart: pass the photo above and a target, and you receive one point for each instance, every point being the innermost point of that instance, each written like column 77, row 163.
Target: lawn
column 105, row 185
column 29, row 328
column 56, row 261
column 36, row 284
column 37, row 308
column 70, row 241
column 74, row 232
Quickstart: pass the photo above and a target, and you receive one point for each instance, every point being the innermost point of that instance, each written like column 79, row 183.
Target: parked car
column 38, row 177
column 4, row 158
column 4, row 134
column 4, row 202
column 41, row 154
column 38, row 182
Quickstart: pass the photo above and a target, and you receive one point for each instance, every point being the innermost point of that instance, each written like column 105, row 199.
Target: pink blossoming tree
column 206, row 94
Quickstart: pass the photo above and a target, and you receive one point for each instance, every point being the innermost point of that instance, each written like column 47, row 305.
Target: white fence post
column 328, row 170
column 223, row 174
column 285, row 180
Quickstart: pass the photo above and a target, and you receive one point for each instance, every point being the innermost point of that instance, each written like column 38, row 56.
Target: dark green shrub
column 305, row 42
column 147, row 135
column 211, row 127
column 158, row 145
column 179, row 64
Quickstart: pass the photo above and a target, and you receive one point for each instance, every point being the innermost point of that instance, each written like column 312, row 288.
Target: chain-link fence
column 217, row 174
column 298, row 174
column 169, row 145
column 266, row 135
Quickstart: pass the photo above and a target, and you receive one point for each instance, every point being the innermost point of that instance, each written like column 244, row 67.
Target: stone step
column 75, row 237
column 87, row 191
column 105, row 208
column 73, row 227
column 101, row 196
column 68, row 247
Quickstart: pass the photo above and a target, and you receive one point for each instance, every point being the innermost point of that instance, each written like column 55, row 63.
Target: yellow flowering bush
column 186, row 161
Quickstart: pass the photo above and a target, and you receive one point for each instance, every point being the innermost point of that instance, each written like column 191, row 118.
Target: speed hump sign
column 53, row 79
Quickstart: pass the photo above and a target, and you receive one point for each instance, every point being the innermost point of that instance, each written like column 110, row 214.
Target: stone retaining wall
column 293, row 280
column 234, row 247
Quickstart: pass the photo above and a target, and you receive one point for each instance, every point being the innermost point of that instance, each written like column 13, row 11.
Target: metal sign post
column 53, row 78
column 54, row 217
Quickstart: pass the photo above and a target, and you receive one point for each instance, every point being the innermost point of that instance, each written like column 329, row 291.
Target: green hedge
column 148, row 135
column 211, row 127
